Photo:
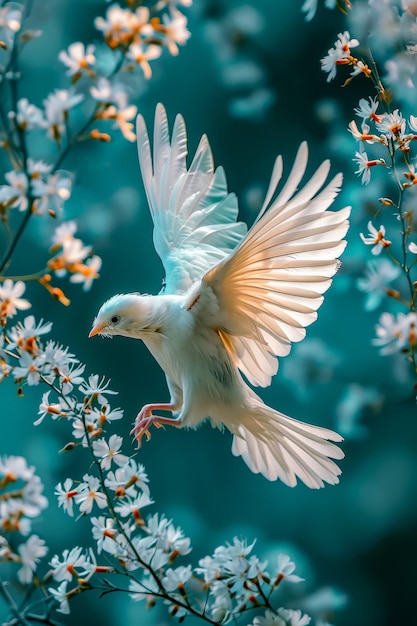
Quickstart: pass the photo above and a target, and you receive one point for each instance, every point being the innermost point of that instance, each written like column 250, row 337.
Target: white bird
column 234, row 300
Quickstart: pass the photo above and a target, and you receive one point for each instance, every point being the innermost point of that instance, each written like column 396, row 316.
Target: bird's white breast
column 195, row 360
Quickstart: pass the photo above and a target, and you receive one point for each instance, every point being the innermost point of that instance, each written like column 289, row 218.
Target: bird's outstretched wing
column 194, row 216
column 271, row 286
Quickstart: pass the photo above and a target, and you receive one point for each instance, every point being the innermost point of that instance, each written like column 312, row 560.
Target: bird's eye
column 115, row 319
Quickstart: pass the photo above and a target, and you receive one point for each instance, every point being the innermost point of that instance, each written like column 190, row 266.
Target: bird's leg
column 145, row 419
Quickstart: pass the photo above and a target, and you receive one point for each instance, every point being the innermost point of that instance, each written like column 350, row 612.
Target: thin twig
column 20, row 618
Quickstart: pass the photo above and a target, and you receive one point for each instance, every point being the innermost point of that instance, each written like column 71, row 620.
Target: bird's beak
column 96, row 330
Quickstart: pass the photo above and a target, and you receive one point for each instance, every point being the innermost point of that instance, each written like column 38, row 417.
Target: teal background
column 359, row 536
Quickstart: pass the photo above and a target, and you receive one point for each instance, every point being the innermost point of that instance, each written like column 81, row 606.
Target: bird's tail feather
column 278, row 446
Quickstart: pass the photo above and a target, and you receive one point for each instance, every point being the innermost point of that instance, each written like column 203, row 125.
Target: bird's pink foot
column 145, row 419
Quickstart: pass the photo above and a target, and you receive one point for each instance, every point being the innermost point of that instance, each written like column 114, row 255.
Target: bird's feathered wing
column 271, row 286
column 194, row 216
column 268, row 290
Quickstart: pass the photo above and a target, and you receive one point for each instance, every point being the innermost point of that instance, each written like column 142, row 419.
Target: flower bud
column 96, row 134
column 71, row 445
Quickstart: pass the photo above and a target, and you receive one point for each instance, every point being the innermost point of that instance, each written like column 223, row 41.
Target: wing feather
column 194, row 216
column 270, row 287
column 275, row 178
column 160, row 148
column 145, row 159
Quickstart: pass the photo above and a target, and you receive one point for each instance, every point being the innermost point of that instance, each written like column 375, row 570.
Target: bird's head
column 129, row 315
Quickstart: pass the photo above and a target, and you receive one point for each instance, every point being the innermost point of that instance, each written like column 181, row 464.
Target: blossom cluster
column 144, row 551
column 385, row 137
column 49, row 191
column 390, row 131
column 397, row 333
column 236, row 577
column 98, row 83
column 341, row 54
column 391, row 136
column 132, row 38
column 21, row 501
column 69, row 256
column 73, row 257
column 388, row 28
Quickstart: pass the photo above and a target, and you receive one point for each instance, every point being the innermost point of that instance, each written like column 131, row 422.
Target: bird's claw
column 145, row 419
column 142, row 424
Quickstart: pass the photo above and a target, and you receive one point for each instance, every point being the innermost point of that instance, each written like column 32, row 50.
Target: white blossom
column 169, row 538
column 28, row 116
column 27, row 329
column 340, row 50
column 109, row 452
column 375, row 238
column 122, row 116
column 103, row 532
column 70, row 375
column 176, row 578
column 28, row 500
column 121, row 24
column 15, row 467
column 63, row 232
column 29, row 368
column 358, row 68
column 95, row 386
column 54, row 409
column 57, row 105
column 141, row 55
column 133, row 506
column 57, row 356
column 53, row 192
column 367, row 109
column 392, row 124
column 88, row 272
column 285, row 569
column 73, row 252
column 130, row 477
column 112, row 415
column 64, row 568
column 15, row 193
column 61, row 597
column 395, row 333
column 10, row 300
column 65, row 494
column 89, row 493
column 10, row 22
column 364, row 164
column 174, row 30
column 294, row 618
column 78, row 59
column 268, row 619
column 30, row 553
column 379, row 273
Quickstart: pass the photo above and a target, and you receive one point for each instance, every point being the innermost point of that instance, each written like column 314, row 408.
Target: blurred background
column 250, row 78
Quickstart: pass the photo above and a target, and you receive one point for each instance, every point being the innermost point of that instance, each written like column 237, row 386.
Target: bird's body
column 202, row 380
column 234, row 301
